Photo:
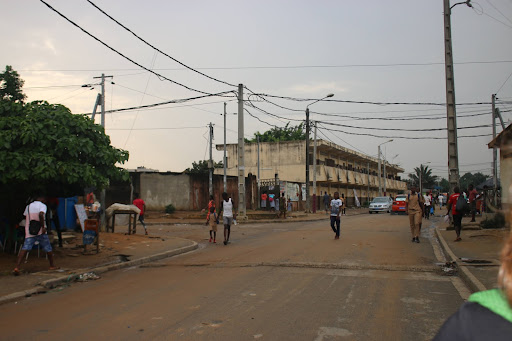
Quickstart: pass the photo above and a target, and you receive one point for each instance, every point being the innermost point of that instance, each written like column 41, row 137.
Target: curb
column 467, row 277
column 52, row 283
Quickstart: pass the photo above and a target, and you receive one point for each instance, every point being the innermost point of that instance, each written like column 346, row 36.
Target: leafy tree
column 10, row 86
column 285, row 133
column 201, row 167
column 445, row 185
column 469, row 178
column 44, row 148
column 427, row 178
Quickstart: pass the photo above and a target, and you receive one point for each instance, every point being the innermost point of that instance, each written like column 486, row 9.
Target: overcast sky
column 366, row 51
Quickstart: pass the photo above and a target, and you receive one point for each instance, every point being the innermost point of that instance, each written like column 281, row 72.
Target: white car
column 381, row 204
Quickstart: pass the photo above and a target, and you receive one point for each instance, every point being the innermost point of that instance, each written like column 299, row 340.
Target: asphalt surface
column 272, row 282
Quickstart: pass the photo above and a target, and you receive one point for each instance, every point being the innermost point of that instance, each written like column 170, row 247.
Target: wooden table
column 130, row 213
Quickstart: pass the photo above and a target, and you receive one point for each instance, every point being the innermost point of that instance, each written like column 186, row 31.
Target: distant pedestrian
column 227, row 208
column 289, row 205
column 344, row 205
column 456, row 215
column 141, row 205
column 264, row 200
column 271, row 198
column 414, row 208
column 336, row 205
column 212, row 220
column 282, row 206
column 326, row 202
column 35, row 215
column 426, row 206
column 473, row 194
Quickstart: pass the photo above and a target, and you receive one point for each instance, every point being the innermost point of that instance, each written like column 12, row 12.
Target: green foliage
column 497, row 222
column 45, row 148
column 445, row 185
column 427, row 178
column 201, row 167
column 286, row 133
column 469, row 178
column 10, row 86
column 170, row 209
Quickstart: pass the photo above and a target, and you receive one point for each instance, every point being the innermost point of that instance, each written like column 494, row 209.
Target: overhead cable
column 156, row 49
column 122, row 55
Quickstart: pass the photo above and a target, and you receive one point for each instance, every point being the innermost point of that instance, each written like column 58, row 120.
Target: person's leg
column 457, row 223
column 214, row 236
column 338, row 222
column 333, row 221
column 473, row 210
column 141, row 219
column 225, row 234
column 417, row 226
column 411, row 224
column 44, row 243
column 211, row 235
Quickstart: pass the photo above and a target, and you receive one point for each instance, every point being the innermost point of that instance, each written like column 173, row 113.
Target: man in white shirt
column 227, row 208
column 336, row 205
column 35, row 211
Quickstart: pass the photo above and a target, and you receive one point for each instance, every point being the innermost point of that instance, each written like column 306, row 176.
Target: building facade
column 340, row 169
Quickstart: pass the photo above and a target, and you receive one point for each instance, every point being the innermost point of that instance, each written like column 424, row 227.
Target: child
column 212, row 219
column 141, row 205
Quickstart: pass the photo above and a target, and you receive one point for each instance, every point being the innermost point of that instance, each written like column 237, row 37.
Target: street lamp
column 380, row 176
column 307, row 149
column 421, row 176
column 385, row 174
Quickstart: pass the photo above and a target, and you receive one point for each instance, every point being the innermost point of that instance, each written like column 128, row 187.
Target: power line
column 159, row 128
column 506, row 80
column 156, row 49
column 122, row 55
column 164, row 103
column 401, row 129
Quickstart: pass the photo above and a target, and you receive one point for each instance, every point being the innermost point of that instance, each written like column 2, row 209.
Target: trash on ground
column 88, row 276
column 449, row 268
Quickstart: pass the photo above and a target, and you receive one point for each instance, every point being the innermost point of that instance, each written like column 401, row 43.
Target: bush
column 170, row 209
column 497, row 222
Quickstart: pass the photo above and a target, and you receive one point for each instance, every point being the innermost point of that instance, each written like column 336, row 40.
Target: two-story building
column 338, row 169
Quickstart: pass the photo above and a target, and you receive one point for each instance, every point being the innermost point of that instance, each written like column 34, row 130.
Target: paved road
column 273, row 282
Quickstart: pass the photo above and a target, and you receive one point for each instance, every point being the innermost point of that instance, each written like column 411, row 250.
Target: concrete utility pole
column 241, row 158
column 379, row 170
column 103, row 191
column 224, row 160
column 451, row 115
column 368, row 177
column 494, row 150
column 210, row 162
column 307, row 150
column 314, row 172
column 259, row 183
column 385, row 176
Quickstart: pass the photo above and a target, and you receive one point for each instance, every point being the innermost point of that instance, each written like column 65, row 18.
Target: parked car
column 399, row 204
column 381, row 204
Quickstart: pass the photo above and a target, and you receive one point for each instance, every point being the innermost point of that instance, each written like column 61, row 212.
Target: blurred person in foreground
column 488, row 314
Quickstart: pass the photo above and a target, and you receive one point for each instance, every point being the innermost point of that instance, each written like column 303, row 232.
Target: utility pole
column 379, row 170
column 368, row 178
column 314, row 172
column 451, row 115
column 259, row 183
column 103, row 191
column 307, row 160
column 385, row 176
column 210, row 162
column 241, row 158
column 225, row 178
column 494, row 151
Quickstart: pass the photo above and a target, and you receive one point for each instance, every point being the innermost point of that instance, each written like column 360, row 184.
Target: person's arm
column 339, row 209
column 221, row 207
column 41, row 221
column 448, row 205
column 407, row 205
column 234, row 210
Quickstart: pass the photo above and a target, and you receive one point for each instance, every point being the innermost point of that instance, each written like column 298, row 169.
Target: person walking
column 456, row 215
column 35, row 215
column 326, row 202
column 211, row 219
column 227, row 208
column 336, row 204
column 344, row 205
column 472, row 201
column 271, row 198
column 282, row 206
column 264, row 200
column 428, row 201
column 414, row 209
column 141, row 205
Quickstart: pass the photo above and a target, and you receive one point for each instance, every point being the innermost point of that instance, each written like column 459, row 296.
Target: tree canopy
column 10, row 86
column 286, row 133
column 201, row 167
column 469, row 178
column 427, row 178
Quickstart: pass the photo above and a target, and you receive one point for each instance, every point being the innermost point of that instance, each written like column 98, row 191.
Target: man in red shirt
column 457, row 216
column 141, row 205
column 472, row 201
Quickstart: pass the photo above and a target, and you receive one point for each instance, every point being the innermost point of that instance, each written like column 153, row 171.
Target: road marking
column 331, row 331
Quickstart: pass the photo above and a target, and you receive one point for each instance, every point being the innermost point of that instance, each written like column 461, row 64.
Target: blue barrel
column 67, row 213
